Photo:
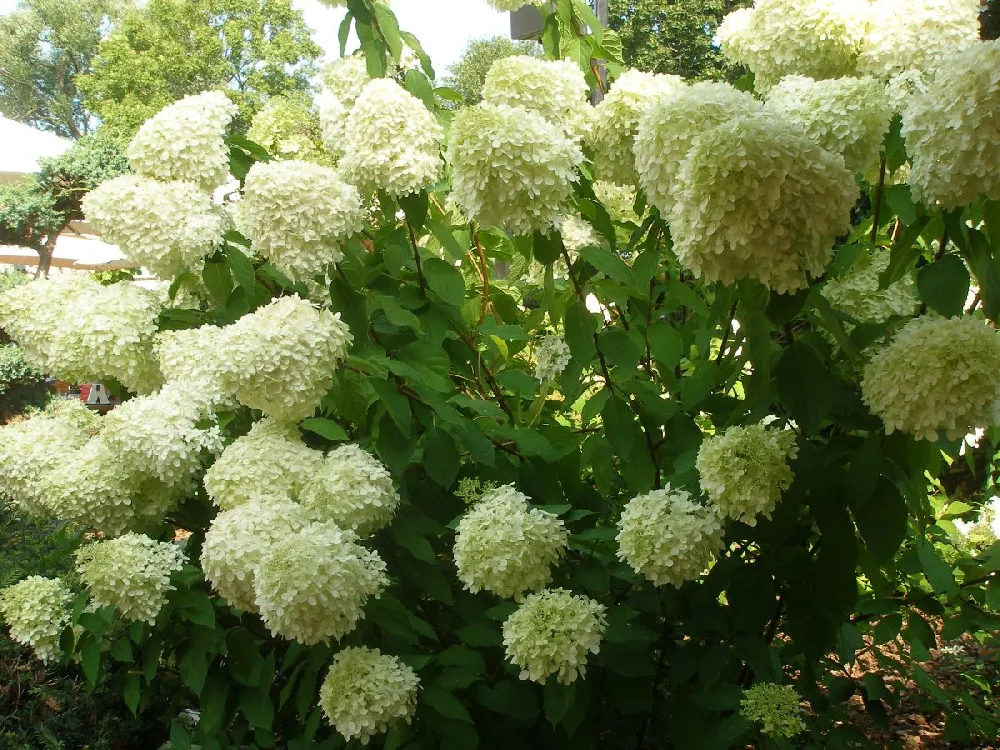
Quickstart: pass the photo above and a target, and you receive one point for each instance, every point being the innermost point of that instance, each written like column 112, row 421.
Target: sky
column 443, row 27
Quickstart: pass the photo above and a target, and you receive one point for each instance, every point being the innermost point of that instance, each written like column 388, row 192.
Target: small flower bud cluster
column 551, row 357
column 36, row 610
column 288, row 128
column 775, row 707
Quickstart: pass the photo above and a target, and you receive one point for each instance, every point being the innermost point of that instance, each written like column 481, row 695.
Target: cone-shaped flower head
column 551, row 357
column 36, row 610
column 775, row 707
column 555, row 89
column 345, row 78
column 192, row 358
column 287, row 128
column 351, row 488
column 857, row 292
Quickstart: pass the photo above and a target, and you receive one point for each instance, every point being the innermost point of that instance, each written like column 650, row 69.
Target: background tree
column 468, row 74
column 44, row 45
column 170, row 48
column 991, row 20
column 673, row 36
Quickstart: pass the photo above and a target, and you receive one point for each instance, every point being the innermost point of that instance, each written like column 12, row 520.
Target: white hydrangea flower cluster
column 313, row 585
column 238, row 540
column 366, row 692
column 745, row 469
column 857, row 292
column 552, row 632
column 578, row 233
column 185, row 141
column 351, row 488
column 270, row 458
column 847, row 116
column 332, row 122
column 132, row 573
column 503, row 546
column 915, row 34
column 162, row 226
column 391, row 141
column 296, row 214
column 555, row 89
column 775, row 707
column 77, row 330
column 618, row 200
column 190, row 357
column 287, row 128
column 161, row 436
column 36, row 610
column 345, row 78
column 511, row 168
column 952, row 130
column 667, row 130
column 758, row 199
column 551, row 357
column 935, row 374
column 668, row 537
column 505, row 6
column 615, row 122
column 815, row 38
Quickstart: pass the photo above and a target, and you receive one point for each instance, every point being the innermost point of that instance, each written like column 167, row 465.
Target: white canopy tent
column 22, row 147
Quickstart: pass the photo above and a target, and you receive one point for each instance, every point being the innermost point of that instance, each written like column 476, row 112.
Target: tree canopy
column 468, row 74
column 167, row 49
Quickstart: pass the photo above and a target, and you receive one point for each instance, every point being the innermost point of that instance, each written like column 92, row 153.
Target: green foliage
column 673, row 36
column 990, row 20
column 29, row 215
column 14, row 370
column 166, row 49
column 468, row 74
column 44, row 45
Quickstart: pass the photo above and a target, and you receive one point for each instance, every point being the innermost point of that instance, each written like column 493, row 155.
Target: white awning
column 74, row 249
column 21, row 148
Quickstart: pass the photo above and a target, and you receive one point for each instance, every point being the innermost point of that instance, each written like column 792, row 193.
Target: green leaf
column 407, row 537
column 445, row 704
column 415, row 205
column 881, row 521
column 218, row 280
column 938, row 572
column 547, row 247
column 804, row 385
column 980, row 257
column 394, row 447
column 130, row 691
column 197, row 608
column 609, row 264
column 619, row 425
column 179, row 739
column 479, row 634
column 447, row 238
column 241, row 269
column 558, row 699
column 665, row 344
column 620, row 349
column 121, row 650
column 193, row 668
column 944, row 285
column 901, row 203
column 256, row 705
column 414, row 44
column 326, row 428
column 418, row 85
column 245, row 661
column 90, row 658
column 580, row 329
column 389, row 26
column 444, row 280
column 904, row 254
column 398, row 315
column 396, row 404
column 441, row 459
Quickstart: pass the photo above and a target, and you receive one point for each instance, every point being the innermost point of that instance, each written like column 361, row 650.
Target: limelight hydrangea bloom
column 313, row 585
column 132, row 573
column 668, row 537
column 160, row 435
column 345, row 78
column 503, row 546
column 271, row 458
column 744, row 470
column 775, row 707
column 815, row 38
column 191, row 358
column 668, row 129
column 511, row 168
column 551, row 357
column 239, row 538
column 953, row 130
column 296, row 213
column 856, row 293
column 915, row 34
column 618, row 200
column 552, row 633
column 332, row 121
column 758, row 199
column 163, row 226
column 80, row 331
column 848, row 116
column 287, row 128
column 351, row 488
column 391, row 141
column 366, row 692
column 555, row 89
column 282, row 356
column 577, row 233
column 185, row 141
column 935, row 374
column 36, row 610
column 615, row 122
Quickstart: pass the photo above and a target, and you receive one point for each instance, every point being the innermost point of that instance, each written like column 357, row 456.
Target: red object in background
column 84, row 391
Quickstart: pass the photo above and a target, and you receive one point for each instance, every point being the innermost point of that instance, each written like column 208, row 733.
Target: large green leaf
column 804, row 385
column 944, row 285
column 444, row 280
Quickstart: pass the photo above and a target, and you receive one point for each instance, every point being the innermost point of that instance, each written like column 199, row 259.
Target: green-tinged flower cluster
column 345, row 78
column 296, row 214
column 193, row 357
column 391, row 141
column 166, row 227
column 757, row 199
column 511, row 5
column 619, row 200
column 553, row 632
column 551, row 357
column 555, row 89
column 847, row 116
column 578, row 233
column 131, row 573
column 503, row 546
column 36, row 610
column 775, row 707
column 935, row 374
column 668, row 537
column 313, row 585
column 185, row 141
column 351, row 488
column 288, row 128
column 511, row 168
column 857, row 292
column 615, row 122
column 238, row 539
column 77, row 330
column 745, row 469
column 366, row 692
column 952, row 129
